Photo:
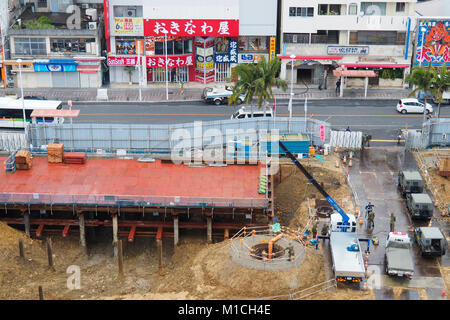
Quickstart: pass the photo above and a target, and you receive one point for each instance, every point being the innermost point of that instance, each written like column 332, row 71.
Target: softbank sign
column 122, row 61
column 234, row 146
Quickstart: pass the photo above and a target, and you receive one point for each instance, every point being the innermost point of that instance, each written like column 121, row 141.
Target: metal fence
column 435, row 132
column 10, row 141
column 150, row 139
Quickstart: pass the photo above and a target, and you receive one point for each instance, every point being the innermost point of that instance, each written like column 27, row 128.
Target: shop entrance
column 304, row 76
column 159, row 75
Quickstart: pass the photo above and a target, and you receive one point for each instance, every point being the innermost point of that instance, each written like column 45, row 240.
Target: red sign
column 172, row 61
column 322, row 132
column 122, row 61
column 106, row 17
column 193, row 28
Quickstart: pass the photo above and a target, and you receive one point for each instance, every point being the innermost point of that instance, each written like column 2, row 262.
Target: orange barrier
column 272, row 241
column 350, row 163
column 430, row 224
column 361, row 220
column 345, row 160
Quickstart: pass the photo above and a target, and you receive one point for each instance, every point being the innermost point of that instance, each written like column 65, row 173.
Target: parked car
column 430, row 241
column 412, row 105
column 244, row 113
column 219, row 95
column 32, row 98
column 398, row 258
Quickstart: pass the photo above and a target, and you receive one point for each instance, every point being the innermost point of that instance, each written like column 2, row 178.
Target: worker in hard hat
column 370, row 220
column 392, row 223
column 369, row 208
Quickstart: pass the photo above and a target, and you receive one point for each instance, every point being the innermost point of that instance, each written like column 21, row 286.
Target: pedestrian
column 428, row 116
column 370, row 220
column 181, row 83
column 338, row 86
column 392, row 224
column 173, row 74
column 369, row 208
column 348, row 129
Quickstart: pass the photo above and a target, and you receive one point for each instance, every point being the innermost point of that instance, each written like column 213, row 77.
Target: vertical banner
column 272, row 48
column 106, row 15
column 204, row 59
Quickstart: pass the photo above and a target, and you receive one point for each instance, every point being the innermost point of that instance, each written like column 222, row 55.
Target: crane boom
column 330, row 200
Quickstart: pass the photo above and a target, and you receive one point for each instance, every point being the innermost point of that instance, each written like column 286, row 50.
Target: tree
column 441, row 83
column 130, row 70
column 256, row 80
column 422, row 78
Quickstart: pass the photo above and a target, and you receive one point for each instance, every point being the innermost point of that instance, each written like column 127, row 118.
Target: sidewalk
column 192, row 92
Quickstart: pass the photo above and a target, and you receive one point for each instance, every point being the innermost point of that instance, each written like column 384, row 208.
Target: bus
column 11, row 113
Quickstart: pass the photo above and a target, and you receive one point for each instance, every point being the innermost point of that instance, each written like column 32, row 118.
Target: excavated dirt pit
column 261, row 250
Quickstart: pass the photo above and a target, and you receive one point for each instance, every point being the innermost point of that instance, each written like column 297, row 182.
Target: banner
column 272, row 48
column 231, row 56
column 190, row 27
column 251, row 57
column 128, row 25
column 172, row 61
column 433, row 43
column 122, row 61
column 348, row 50
column 55, row 67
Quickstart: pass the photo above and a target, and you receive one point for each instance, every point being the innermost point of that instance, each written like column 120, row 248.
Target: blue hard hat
column 275, row 219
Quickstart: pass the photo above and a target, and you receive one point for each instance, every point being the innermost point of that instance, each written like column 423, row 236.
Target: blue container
column 294, row 142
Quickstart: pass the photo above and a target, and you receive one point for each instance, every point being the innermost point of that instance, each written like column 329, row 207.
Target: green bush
column 42, row 22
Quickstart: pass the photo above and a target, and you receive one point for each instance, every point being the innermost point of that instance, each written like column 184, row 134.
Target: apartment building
column 354, row 35
column 198, row 40
column 60, row 46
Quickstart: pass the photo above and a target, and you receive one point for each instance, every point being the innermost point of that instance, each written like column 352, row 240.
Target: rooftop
column 431, row 233
column 421, row 198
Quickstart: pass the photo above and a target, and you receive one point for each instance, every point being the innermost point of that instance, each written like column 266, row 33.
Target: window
column 301, row 12
column 296, row 37
column 181, row 46
column 325, row 36
column 400, row 7
column 253, row 44
column 70, row 45
column 352, row 9
column 42, row 3
column 377, row 37
column 128, row 45
column 30, row 46
column 373, row 8
column 329, row 9
column 128, row 11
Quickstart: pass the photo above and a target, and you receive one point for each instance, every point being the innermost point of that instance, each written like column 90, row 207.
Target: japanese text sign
column 172, row 61
column 191, row 27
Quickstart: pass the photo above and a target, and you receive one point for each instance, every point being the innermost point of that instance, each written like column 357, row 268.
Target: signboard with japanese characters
column 122, row 61
column 272, row 48
column 348, row 50
column 185, row 60
column 251, row 57
column 433, row 43
column 231, row 56
column 191, row 27
column 128, row 26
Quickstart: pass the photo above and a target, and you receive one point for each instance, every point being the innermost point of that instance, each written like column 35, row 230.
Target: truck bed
column 346, row 263
column 399, row 259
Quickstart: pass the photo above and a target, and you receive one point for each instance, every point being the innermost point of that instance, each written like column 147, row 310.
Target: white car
column 244, row 113
column 412, row 105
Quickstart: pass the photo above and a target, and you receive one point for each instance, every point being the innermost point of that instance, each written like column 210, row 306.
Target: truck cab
column 398, row 255
column 410, row 182
column 419, row 206
column 430, row 241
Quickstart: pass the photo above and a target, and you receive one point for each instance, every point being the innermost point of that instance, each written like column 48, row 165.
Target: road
column 377, row 117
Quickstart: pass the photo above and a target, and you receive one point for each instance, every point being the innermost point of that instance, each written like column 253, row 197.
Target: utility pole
column 19, row 62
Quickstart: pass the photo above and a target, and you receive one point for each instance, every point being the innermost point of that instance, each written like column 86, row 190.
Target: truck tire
column 217, row 102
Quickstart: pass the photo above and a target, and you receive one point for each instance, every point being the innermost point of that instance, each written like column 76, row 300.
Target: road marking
column 227, row 115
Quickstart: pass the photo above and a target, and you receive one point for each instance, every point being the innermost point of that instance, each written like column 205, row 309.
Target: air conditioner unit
column 92, row 25
column 131, row 12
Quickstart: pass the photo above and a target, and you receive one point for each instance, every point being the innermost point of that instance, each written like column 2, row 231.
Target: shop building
column 347, row 34
column 191, row 41
column 57, row 57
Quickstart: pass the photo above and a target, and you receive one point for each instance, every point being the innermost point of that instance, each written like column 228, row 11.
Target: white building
column 357, row 35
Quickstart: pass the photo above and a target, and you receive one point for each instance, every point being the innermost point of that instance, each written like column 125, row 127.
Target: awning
column 354, row 73
column 42, row 113
column 374, row 65
column 312, row 57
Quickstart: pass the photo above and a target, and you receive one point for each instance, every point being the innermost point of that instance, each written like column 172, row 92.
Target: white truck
column 445, row 98
column 398, row 255
column 348, row 265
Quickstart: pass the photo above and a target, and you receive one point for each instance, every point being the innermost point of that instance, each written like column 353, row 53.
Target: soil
column 445, row 271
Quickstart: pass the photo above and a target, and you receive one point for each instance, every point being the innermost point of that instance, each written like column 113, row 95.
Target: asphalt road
column 377, row 117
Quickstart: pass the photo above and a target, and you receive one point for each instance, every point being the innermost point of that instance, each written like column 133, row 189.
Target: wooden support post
column 175, row 230
column 41, row 293
column 82, row 232
column 115, row 233
column 160, row 256
column 50, row 254
column 21, row 251
column 26, row 220
column 120, row 260
column 209, row 229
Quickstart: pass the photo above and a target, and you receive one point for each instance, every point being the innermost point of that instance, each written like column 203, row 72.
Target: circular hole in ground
column 262, row 250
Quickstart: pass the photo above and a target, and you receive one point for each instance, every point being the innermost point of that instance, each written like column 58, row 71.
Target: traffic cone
column 350, row 156
column 443, row 293
column 345, row 160
column 350, row 163
column 242, row 242
column 366, row 258
column 336, row 149
column 436, row 203
column 429, row 224
column 361, row 220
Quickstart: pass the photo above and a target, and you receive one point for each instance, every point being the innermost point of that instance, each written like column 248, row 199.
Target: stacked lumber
column 23, row 160
column 55, row 153
column 75, row 157
column 444, row 166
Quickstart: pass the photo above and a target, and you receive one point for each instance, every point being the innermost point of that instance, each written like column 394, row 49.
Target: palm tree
column 423, row 79
column 130, row 70
column 441, row 83
column 257, row 80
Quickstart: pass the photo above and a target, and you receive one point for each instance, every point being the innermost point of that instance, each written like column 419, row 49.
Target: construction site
column 76, row 225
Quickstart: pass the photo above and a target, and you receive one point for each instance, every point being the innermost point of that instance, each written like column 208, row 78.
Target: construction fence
column 435, row 132
column 151, row 139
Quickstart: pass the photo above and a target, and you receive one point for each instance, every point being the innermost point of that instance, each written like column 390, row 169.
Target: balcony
column 345, row 22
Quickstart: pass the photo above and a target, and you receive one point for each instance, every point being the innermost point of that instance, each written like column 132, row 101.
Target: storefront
column 118, row 70
column 57, row 73
column 201, row 50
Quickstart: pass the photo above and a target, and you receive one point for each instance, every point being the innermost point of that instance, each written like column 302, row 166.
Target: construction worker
column 324, row 230
column 314, row 229
column 392, row 223
column 370, row 220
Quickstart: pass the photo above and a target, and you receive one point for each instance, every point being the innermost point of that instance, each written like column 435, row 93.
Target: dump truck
column 348, row 265
column 398, row 256
column 419, row 206
column 431, row 241
column 410, row 182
